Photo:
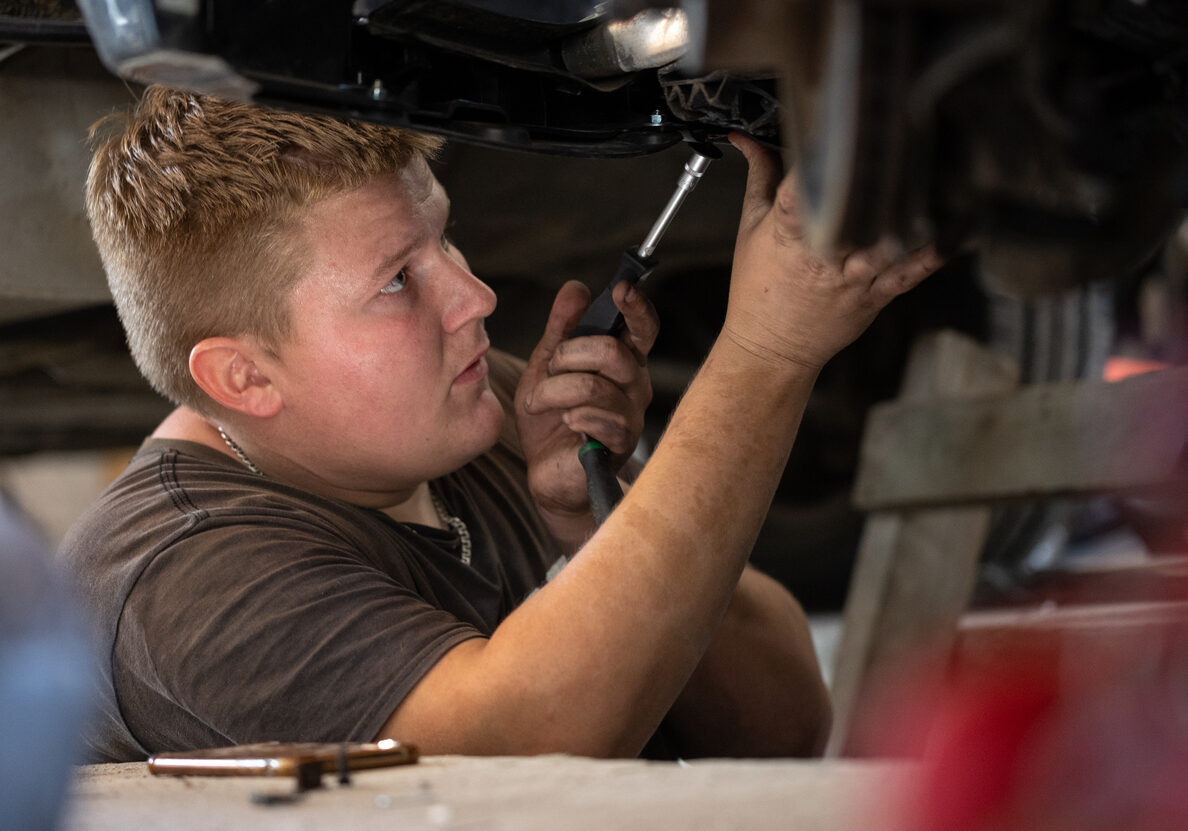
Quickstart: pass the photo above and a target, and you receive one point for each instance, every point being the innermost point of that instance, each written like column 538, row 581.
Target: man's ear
column 228, row 371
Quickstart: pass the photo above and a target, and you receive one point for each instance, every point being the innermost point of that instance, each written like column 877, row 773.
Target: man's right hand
column 597, row 386
column 789, row 303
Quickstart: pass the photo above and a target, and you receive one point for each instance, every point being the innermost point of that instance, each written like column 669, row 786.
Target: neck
column 417, row 508
column 186, row 425
column 414, row 504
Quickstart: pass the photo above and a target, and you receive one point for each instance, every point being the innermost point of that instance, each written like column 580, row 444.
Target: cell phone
column 306, row 761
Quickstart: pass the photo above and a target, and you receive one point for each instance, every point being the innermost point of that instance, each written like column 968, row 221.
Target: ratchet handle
column 602, row 486
column 603, row 316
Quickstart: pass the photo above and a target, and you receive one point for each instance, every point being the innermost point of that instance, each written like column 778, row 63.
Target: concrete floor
column 543, row 792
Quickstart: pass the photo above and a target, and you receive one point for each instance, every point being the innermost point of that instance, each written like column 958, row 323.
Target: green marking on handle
column 592, row 444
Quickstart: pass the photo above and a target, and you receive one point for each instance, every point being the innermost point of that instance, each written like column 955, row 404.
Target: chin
column 478, row 434
column 491, row 418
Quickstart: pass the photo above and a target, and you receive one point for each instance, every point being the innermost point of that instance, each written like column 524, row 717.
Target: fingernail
column 629, row 295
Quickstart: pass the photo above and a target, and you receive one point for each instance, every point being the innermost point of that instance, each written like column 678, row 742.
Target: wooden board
column 1065, row 635
column 915, row 570
column 1045, row 440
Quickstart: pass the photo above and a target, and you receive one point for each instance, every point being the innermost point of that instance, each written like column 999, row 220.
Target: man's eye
column 395, row 284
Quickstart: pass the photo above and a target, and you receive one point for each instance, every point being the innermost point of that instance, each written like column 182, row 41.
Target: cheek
column 369, row 369
column 397, row 365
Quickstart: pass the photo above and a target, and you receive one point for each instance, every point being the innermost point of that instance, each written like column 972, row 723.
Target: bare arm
column 592, row 662
column 758, row 690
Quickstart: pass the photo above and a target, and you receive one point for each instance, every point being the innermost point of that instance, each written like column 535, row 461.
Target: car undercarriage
column 1044, row 145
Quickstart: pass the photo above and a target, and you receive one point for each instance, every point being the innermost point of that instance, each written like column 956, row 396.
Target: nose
column 467, row 298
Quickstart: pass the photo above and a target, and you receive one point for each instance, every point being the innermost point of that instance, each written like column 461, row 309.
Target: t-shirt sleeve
column 272, row 634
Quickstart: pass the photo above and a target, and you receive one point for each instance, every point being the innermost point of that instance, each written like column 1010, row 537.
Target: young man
column 347, row 529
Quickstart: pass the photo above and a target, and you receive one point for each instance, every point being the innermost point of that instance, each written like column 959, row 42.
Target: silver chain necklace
column 454, row 523
column 235, row 448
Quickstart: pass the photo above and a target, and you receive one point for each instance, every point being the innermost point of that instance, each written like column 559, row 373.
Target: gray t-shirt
column 232, row 608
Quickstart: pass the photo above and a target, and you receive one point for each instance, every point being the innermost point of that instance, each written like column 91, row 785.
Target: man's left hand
column 597, row 386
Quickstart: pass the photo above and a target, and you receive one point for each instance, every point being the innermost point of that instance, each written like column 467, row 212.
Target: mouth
column 475, row 370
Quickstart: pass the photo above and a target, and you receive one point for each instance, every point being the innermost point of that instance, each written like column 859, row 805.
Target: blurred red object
column 1118, row 367
column 1098, row 741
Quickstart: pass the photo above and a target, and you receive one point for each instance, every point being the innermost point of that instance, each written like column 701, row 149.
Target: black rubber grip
column 603, row 317
column 602, row 486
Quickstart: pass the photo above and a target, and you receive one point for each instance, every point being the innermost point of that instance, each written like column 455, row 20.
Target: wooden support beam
column 1046, row 440
column 915, row 570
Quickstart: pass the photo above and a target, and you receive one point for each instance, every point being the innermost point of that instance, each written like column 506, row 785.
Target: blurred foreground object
column 44, row 680
column 1098, row 740
column 958, row 440
column 1070, row 710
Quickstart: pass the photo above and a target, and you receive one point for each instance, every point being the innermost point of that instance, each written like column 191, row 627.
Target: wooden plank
column 1156, row 579
column 1045, row 440
column 1064, row 635
column 915, row 570
column 1093, row 618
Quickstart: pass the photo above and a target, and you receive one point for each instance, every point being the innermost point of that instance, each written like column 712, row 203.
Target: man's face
column 383, row 379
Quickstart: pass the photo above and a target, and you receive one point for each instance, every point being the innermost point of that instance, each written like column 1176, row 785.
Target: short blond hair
column 194, row 204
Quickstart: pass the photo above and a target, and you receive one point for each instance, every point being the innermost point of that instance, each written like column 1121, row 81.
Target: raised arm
column 592, row 662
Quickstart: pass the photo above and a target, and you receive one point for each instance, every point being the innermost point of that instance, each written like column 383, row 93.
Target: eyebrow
column 393, row 260
column 401, row 254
